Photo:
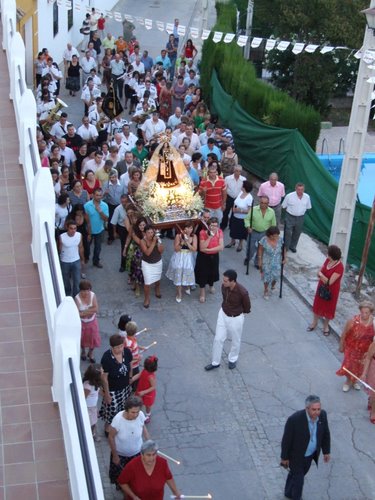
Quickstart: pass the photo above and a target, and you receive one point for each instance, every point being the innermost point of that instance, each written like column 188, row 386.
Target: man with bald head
column 275, row 191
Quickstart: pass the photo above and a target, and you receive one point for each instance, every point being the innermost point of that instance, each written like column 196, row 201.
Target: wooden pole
column 366, row 249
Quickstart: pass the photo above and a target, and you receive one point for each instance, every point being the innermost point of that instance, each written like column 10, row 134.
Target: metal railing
column 341, row 143
column 324, row 142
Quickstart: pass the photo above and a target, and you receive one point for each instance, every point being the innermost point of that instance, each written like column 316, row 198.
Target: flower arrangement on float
column 166, row 192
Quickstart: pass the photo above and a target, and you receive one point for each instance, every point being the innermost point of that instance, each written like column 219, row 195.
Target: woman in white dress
column 241, row 207
column 181, row 265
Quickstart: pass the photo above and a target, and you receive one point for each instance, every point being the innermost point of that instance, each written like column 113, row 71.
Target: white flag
column 181, row 30
column 59, row 2
column 108, row 14
column 205, row 34
column 140, row 20
column 194, row 32
column 371, row 79
column 283, row 45
column 369, row 56
column 326, row 49
column 169, row 28
column 298, row 48
column 270, row 44
column 148, row 24
column 160, row 25
column 229, row 37
column 218, row 35
column 256, row 42
column 68, row 4
column 117, row 16
column 129, row 18
column 242, row 40
column 311, row 48
column 77, row 6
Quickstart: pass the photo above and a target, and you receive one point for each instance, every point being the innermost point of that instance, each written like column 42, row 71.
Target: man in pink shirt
column 275, row 190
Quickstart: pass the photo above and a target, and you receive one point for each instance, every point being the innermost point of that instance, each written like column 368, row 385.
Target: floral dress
column 271, row 260
column 133, row 263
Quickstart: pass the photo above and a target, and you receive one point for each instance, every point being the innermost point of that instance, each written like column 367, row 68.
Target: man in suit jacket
column 306, row 433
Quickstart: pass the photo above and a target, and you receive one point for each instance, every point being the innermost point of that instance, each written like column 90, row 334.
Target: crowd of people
column 96, row 167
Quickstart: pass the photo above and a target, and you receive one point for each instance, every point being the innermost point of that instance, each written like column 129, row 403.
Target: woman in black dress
column 116, row 378
column 73, row 79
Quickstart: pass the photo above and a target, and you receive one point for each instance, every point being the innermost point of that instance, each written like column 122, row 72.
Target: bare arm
column 172, row 486
column 347, row 327
column 111, row 441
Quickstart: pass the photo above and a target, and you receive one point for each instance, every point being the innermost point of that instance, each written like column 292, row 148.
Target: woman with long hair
column 133, row 254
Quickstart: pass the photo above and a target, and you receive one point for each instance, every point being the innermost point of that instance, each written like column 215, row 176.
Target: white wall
column 56, row 45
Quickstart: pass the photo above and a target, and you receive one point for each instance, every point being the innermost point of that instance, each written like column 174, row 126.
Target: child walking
column 146, row 389
column 92, row 383
column 122, row 322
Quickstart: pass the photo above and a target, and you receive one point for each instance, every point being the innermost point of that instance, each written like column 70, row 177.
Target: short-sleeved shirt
column 214, row 193
column 97, row 223
column 260, row 222
column 295, row 205
column 214, row 241
column 274, row 193
column 144, row 486
column 118, row 373
column 128, row 439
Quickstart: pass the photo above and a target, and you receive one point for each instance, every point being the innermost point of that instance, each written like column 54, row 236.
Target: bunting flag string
column 218, row 36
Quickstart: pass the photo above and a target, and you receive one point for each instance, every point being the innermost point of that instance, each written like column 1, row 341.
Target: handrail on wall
column 342, row 142
column 324, row 141
column 21, row 83
column 81, row 435
column 52, row 266
column 33, row 156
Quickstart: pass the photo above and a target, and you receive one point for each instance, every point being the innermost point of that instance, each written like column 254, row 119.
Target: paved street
column 225, row 426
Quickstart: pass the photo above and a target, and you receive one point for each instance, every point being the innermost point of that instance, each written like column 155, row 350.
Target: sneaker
column 357, row 386
column 346, row 387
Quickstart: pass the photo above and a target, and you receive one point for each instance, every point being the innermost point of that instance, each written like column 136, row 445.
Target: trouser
column 71, row 274
column 277, row 210
column 216, row 212
column 228, row 207
column 111, row 209
column 173, row 67
column 118, row 85
column 294, row 481
column 292, row 230
column 255, row 238
column 123, row 234
column 84, row 78
column 97, row 239
column 227, row 326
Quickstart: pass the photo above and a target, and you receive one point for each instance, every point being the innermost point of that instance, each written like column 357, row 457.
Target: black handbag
column 324, row 292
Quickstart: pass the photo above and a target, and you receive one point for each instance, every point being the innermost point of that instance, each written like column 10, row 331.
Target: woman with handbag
column 328, row 289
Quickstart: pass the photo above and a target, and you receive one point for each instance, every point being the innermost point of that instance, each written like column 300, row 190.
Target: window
column 70, row 15
column 55, row 19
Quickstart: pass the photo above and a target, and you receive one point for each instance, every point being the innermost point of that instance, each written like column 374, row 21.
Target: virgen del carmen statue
column 166, row 193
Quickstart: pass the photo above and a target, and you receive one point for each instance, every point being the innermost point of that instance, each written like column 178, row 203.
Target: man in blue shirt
column 96, row 215
column 306, row 433
column 147, row 61
column 210, row 148
column 164, row 59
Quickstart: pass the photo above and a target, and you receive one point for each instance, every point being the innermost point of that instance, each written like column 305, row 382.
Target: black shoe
column 256, row 266
column 293, row 250
column 99, row 265
column 231, row 365
column 211, row 367
column 245, row 262
column 121, row 270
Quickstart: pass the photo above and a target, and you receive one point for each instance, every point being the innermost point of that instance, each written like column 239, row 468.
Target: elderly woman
column 368, row 375
column 270, row 256
column 125, row 436
column 78, row 195
column 241, row 207
column 329, row 275
column 152, row 264
column 117, row 372
column 211, row 242
column 145, row 476
column 355, row 342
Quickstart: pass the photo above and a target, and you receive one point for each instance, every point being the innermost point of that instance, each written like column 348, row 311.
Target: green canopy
column 263, row 149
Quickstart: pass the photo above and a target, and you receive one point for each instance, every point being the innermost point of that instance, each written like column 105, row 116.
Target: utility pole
column 249, row 25
column 348, row 186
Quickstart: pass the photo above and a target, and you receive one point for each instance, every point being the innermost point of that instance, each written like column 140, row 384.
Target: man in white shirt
column 138, row 65
column 60, row 128
column 68, row 154
column 152, row 127
column 89, row 95
column 117, row 70
column 194, row 139
column 210, row 132
column 71, row 257
column 275, row 191
column 68, row 53
column 175, row 119
column 121, row 225
column 192, row 79
column 128, row 138
column 87, row 64
column 233, row 184
column 296, row 204
column 95, row 164
column 87, row 132
column 118, row 141
column 148, row 86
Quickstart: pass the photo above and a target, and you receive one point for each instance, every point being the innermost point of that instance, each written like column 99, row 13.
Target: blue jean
column 97, row 239
column 255, row 238
column 71, row 273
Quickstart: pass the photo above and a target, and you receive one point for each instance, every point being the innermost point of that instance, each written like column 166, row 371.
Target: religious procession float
column 166, row 193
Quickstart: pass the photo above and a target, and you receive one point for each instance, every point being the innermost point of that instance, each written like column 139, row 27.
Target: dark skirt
column 115, row 470
column 72, row 83
column 128, row 91
column 206, row 269
column 237, row 229
column 108, row 412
